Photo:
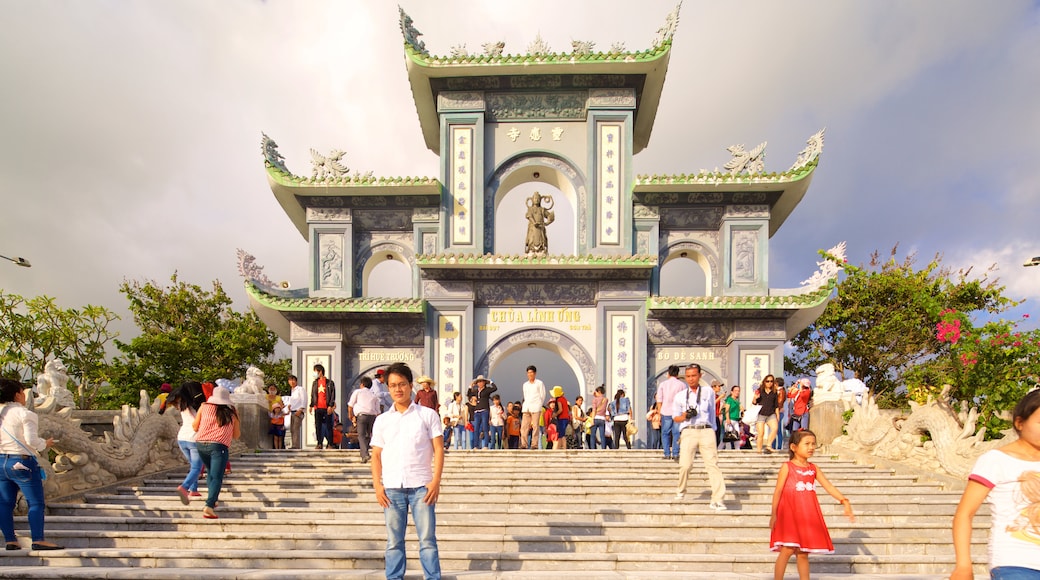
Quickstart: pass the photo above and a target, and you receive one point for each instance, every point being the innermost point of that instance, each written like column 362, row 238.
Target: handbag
column 469, row 426
column 631, row 429
column 751, row 414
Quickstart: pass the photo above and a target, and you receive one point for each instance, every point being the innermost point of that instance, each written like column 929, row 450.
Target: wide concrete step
column 294, row 514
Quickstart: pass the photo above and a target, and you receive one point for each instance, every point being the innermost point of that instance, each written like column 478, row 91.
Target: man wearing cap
column 362, row 410
column 562, row 418
column 379, row 388
column 482, row 389
column 666, row 392
column 695, row 414
column 426, row 395
column 534, row 397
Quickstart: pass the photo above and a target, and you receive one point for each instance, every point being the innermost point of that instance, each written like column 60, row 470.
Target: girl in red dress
column 797, row 520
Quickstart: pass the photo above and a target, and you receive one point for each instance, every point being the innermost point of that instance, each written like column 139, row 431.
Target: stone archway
column 555, row 171
column 570, row 351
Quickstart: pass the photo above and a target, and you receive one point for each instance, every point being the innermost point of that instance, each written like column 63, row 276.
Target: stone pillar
column 826, row 422
column 252, row 413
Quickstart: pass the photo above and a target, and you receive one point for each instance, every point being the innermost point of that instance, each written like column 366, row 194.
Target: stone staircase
column 501, row 514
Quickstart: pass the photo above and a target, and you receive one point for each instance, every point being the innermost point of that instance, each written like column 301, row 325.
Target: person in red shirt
column 426, row 395
column 801, row 395
column 323, row 406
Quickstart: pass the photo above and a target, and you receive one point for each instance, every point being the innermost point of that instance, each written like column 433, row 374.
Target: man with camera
column 695, row 420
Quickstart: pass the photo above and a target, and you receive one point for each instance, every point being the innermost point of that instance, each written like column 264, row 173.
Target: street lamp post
column 1034, row 262
column 19, row 261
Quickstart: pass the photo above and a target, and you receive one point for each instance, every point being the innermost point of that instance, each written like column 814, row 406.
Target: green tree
column 187, row 333
column 881, row 324
column 36, row 330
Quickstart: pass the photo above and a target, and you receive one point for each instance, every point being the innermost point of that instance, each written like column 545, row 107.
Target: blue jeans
column 425, row 519
column 669, row 437
column 323, row 426
column 480, row 429
column 31, row 484
column 496, row 436
column 191, row 453
column 1014, row 573
column 215, row 456
column 599, row 434
column 654, row 441
column 460, row 438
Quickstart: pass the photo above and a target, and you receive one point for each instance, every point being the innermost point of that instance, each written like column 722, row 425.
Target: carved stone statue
column 254, row 383
column 828, row 387
column 538, row 217
column 51, row 386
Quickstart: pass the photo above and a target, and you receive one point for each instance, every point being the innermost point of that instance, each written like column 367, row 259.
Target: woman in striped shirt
column 216, row 424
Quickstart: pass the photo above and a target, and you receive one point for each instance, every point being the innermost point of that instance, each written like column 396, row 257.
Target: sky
column 130, row 130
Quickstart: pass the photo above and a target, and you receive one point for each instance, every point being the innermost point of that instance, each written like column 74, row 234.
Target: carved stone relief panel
column 747, row 211
column 460, row 101
column 685, row 332
column 642, row 242
column 306, row 330
column 426, row 214
column 759, row 329
column 640, row 211
column 396, row 333
column 635, row 290
column 429, row 243
column 370, row 220
column 612, row 98
column 691, row 218
column 434, row 289
column 538, row 106
column 547, row 293
column 330, row 261
column 745, row 255
column 328, row 215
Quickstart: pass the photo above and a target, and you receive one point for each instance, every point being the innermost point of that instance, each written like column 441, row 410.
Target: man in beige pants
column 695, row 419
column 534, row 397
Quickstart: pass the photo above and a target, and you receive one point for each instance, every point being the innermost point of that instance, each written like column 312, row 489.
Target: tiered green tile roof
column 330, row 304
column 462, row 260
column 791, row 301
column 725, row 177
column 288, row 179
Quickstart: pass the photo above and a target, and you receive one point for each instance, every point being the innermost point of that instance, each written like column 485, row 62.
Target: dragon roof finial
column 411, row 34
column 271, row 154
column 671, row 24
column 813, row 148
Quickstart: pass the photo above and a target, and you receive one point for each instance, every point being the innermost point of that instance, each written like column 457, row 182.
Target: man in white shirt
column 666, row 392
column 694, row 409
column 534, row 397
column 406, row 439
column 362, row 410
column 380, row 391
column 298, row 410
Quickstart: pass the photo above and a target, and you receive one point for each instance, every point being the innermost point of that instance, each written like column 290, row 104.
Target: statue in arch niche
column 538, row 217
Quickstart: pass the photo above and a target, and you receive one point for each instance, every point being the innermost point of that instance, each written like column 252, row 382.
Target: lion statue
column 829, row 388
column 254, row 383
column 51, row 387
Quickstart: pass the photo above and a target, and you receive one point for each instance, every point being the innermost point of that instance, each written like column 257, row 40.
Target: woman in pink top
column 216, row 424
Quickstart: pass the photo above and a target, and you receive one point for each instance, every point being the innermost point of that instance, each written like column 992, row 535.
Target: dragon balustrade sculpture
column 952, row 445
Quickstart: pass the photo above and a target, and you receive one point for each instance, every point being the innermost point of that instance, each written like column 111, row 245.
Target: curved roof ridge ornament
column 494, row 48
column 671, row 24
column 813, row 148
column 749, row 162
column 538, row 47
column 833, row 262
column 411, row 34
column 251, row 271
column 271, row 154
column 331, row 165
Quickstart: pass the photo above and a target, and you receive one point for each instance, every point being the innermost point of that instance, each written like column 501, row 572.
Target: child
column 1007, row 479
column 497, row 422
column 513, row 428
column 277, row 429
column 797, row 520
column 448, row 431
